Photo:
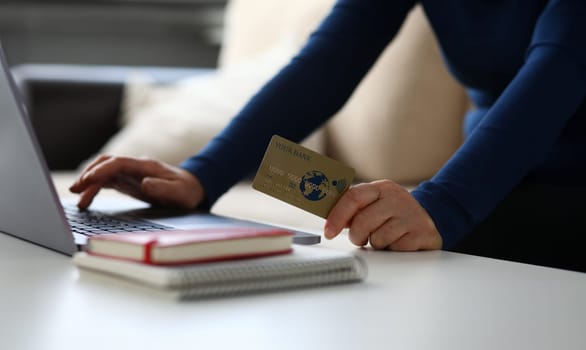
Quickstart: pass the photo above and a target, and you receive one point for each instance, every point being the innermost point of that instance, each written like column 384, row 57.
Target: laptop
column 30, row 208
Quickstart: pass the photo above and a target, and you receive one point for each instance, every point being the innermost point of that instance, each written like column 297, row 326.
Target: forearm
column 515, row 136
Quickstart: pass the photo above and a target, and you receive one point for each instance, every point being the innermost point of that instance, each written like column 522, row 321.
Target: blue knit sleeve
column 520, row 129
column 309, row 90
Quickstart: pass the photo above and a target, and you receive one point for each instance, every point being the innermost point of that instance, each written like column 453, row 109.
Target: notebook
column 305, row 267
column 30, row 208
column 183, row 247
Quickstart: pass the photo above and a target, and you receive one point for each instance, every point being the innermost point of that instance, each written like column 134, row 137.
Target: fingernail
column 81, row 205
column 329, row 232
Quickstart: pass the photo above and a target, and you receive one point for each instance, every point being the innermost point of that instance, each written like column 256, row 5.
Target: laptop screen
column 29, row 206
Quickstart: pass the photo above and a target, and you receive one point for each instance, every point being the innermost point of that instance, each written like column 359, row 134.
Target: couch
column 406, row 114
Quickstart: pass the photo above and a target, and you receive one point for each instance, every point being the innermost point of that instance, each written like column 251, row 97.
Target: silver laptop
column 30, row 208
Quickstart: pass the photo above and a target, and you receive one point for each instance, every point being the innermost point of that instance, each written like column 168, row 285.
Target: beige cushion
column 405, row 118
column 254, row 26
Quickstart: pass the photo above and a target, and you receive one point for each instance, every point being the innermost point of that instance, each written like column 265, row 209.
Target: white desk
column 430, row 300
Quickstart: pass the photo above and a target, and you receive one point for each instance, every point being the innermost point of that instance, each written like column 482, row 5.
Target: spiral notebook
column 304, row 267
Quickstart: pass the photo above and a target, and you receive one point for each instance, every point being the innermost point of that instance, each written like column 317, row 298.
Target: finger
column 167, row 192
column 87, row 196
column 369, row 219
column 75, row 187
column 101, row 158
column 354, row 199
column 128, row 185
column 389, row 232
column 408, row 242
column 118, row 166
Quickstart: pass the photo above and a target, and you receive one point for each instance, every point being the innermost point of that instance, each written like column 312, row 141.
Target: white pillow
column 171, row 123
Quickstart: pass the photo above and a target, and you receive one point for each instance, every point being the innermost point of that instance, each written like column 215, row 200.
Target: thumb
column 166, row 192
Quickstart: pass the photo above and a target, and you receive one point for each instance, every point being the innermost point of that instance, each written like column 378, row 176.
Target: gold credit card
column 302, row 177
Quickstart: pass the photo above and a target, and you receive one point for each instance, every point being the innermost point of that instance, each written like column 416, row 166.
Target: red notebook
column 192, row 246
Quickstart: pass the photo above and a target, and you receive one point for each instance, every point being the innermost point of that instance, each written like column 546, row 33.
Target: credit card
column 302, row 177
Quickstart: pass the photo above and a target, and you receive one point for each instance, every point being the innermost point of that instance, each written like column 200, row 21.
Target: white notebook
column 305, row 267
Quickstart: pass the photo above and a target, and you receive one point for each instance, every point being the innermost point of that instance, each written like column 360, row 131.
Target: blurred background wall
column 179, row 33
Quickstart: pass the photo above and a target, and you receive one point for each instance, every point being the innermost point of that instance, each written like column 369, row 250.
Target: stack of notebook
column 223, row 261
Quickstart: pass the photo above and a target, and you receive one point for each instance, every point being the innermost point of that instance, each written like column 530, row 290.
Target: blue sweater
column 523, row 63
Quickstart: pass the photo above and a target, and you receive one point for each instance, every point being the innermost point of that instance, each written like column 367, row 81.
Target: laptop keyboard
column 91, row 223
